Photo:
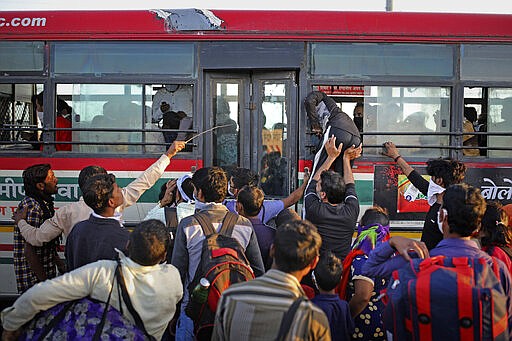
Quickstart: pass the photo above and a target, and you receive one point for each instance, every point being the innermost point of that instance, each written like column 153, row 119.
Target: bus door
column 257, row 115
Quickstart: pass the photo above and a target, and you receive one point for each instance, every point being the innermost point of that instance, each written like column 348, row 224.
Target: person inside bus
column 358, row 115
column 481, row 126
column 470, row 117
column 69, row 215
column 327, row 119
column 62, row 120
column 443, row 172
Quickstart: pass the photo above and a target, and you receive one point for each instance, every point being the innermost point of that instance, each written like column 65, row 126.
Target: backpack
column 223, row 263
column 88, row 319
column 443, row 298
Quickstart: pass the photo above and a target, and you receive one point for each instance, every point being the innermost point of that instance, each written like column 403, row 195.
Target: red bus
column 411, row 74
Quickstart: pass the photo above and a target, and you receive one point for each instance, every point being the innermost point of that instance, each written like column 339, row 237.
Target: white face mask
column 440, row 223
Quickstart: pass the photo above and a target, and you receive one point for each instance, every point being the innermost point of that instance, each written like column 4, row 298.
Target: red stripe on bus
column 110, row 164
column 6, row 247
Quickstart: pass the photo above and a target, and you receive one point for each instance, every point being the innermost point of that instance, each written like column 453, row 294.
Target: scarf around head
column 368, row 237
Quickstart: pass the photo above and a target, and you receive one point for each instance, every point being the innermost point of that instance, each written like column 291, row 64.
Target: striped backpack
column 442, row 298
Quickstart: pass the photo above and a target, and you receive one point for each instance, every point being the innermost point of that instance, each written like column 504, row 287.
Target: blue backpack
column 443, row 298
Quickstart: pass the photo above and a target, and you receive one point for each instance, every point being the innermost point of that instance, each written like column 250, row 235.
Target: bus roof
column 195, row 24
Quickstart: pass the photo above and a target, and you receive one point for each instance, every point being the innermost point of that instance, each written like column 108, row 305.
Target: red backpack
column 442, row 298
column 223, row 263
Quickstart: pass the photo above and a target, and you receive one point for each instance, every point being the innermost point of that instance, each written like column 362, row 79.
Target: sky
column 457, row 6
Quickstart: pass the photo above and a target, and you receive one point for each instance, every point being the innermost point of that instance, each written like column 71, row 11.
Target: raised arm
column 391, row 151
column 49, row 230
column 146, row 180
column 295, row 196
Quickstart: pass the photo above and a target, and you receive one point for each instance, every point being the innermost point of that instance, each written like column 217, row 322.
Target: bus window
column 274, row 161
column 499, row 120
column 111, row 117
column 405, row 115
column 225, row 111
column 18, row 117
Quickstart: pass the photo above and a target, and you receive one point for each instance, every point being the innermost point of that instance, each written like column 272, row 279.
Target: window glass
column 486, row 62
column 361, row 60
column 18, row 116
column 124, row 58
column 381, row 109
column 225, row 105
column 109, row 111
column 18, row 56
column 274, row 162
column 499, row 120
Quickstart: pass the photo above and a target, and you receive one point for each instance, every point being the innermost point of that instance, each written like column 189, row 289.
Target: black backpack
column 223, row 263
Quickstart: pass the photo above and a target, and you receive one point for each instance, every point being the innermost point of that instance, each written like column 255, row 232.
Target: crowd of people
column 215, row 260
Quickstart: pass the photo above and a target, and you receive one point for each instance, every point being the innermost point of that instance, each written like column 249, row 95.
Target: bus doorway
column 259, row 115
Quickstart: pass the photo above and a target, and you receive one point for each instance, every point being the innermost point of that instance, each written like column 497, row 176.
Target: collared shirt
column 379, row 263
column 68, row 216
column 154, row 292
column 254, row 310
column 25, row 277
column 269, row 210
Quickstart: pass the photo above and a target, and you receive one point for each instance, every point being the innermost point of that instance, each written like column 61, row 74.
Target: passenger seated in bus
column 67, row 216
column 62, row 120
column 470, row 117
column 327, row 119
column 358, row 115
column 443, row 172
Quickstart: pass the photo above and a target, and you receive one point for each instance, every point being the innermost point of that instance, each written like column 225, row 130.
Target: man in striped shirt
column 254, row 310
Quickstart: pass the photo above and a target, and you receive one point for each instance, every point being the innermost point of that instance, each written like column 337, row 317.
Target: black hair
column 32, row 176
column 149, row 242
column 213, row 183
column 465, row 206
column 375, row 215
column 494, row 226
column 285, row 216
column 251, row 198
column 98, row 190
column 470, row 114
column 449, row 170
column 328, row 271
column 244, row 177
column 333, row 186
column 88, row 172
column 296, row 245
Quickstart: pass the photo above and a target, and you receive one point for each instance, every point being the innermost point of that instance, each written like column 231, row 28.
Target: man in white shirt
column 154, row 288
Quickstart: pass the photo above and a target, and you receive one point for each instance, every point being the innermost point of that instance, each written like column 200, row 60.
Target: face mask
column 199, row 204
column 359, row 123
column 440, row 223
column 40, row 116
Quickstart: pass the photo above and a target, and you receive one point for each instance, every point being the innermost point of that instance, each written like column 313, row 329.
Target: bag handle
column 205, row 223
column 288, row 318
column 228, row 224
column 128, row 301
column 99, row 328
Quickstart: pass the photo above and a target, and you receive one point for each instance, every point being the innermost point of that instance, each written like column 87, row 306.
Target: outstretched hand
column 330, row 148
column 353, row 152
column 175, row 147
column 19, row 214
column 403, row 245
column 390, row 150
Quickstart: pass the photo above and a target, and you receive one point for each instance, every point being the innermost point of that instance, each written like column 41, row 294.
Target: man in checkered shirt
column 35, row 264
